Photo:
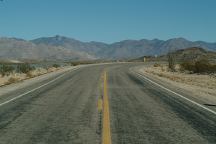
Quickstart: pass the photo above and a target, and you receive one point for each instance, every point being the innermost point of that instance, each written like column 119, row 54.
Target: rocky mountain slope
column 126, row 48
column 64, row 48
column 11, row 48
column 194, row 54
column 188, row 54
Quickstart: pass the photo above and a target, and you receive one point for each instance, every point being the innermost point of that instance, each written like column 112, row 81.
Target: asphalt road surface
column 67, row 111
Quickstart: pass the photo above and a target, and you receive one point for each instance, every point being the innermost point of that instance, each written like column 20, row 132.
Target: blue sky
column 109, row 20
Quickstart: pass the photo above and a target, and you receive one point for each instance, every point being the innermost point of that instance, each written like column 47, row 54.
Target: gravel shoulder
column 200, row 87
column 31, row 81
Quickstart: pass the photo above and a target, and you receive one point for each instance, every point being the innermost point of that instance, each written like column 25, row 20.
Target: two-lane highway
column 68, row 110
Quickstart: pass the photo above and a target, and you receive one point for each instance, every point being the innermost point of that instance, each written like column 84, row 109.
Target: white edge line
column 183, row 97
column 19, row 96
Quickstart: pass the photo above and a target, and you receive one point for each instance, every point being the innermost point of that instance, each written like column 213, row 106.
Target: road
column 68, row 111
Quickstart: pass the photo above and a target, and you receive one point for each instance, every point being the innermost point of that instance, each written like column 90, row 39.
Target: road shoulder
column 29, row 82
column 192, row 92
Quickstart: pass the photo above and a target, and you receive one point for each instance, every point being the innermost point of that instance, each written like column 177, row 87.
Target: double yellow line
column 106, row 134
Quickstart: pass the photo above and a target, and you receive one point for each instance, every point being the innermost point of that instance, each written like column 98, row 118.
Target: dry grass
column 12, row 80
column 29, row 74
column 207, row 81
column 201, row 86
column 16, row 77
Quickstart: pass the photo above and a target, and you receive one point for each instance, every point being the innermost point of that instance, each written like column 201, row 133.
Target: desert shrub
column 12, row 80
column 24, row 68
column 171, row 61
column 213, row 69
column 188, row 66
column 29, row 74
column 157, row 65
column 6, row 69
column 56, row 65
column 200, row 66
column 75, row 63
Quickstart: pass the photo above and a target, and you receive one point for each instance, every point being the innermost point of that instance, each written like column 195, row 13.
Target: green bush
column 213, row 69
column 24, row 68
column 56, row 65
column 189, row 66
column 200, row 66
column 6, row 69
column 157, row 65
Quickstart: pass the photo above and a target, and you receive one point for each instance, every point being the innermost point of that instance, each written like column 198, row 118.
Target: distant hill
column 188, row 54
column 64, row 48
column 194, row 53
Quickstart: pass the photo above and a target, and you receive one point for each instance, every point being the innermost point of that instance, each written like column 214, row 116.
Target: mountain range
column 64, row 48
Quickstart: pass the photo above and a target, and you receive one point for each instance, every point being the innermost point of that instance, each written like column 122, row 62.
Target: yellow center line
column 100, row 105
column 106, row 135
